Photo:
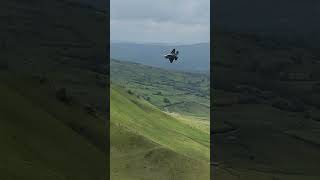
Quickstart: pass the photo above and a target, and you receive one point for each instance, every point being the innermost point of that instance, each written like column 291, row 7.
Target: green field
column 186, row 93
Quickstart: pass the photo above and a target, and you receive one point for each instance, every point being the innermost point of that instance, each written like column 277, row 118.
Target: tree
column 166, row 100
column 130, row 92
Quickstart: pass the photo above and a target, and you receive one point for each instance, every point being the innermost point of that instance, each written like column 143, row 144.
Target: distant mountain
column 195, row 57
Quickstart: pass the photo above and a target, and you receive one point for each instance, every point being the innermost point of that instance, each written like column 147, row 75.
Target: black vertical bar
column 108, row 86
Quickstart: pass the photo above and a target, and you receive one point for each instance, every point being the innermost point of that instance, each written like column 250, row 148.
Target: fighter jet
column 172, row 56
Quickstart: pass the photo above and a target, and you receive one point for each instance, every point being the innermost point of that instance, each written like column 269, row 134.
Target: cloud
column 160, row 21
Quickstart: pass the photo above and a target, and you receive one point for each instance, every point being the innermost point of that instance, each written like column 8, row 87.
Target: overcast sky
column 160, row 21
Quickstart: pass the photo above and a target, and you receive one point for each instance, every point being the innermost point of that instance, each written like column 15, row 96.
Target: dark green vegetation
column 149, row 144
column 266, row 106
column 159, row 123
column 52, row 90
column 173, row 91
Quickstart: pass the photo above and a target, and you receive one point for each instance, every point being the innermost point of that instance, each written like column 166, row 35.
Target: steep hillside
column 149, row 144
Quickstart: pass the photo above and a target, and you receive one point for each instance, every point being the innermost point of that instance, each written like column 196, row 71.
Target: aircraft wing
column 173, row 51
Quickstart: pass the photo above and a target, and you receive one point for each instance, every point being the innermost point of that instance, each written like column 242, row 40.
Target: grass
column 147, row 143
column 196, row 122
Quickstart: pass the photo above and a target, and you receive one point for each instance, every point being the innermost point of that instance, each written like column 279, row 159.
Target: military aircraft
column 172, row 56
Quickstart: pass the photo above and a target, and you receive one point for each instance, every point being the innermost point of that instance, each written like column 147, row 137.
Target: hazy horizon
column 160, row 43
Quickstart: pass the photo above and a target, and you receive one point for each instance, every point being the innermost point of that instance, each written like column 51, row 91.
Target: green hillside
column 149, row 144
column 172, row 91
column 43, row 138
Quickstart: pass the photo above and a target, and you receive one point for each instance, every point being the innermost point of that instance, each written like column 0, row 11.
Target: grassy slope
column 149, row 144
column 39, row 136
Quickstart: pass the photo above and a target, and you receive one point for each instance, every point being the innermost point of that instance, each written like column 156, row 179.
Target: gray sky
column 160, row 21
